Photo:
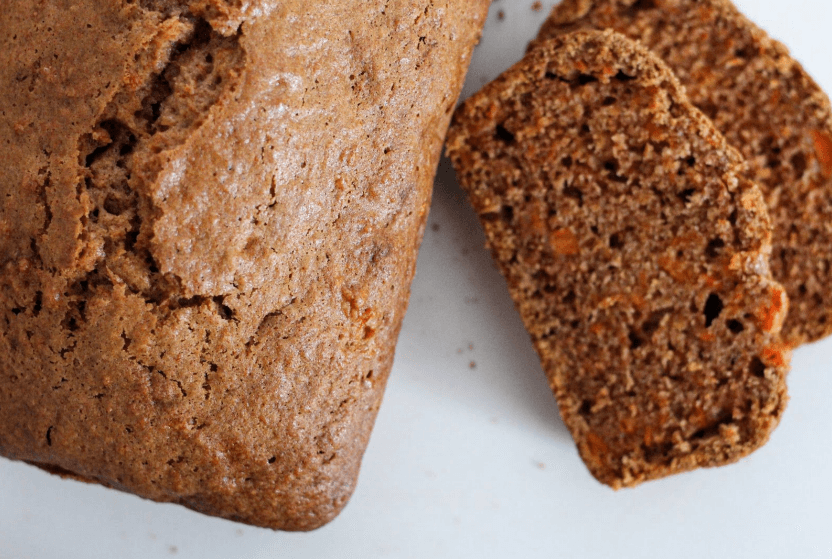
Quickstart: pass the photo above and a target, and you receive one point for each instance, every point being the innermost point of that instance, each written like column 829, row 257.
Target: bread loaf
column 209, row 221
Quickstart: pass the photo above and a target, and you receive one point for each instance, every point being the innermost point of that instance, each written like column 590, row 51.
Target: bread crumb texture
column 767, row 107
column 636, row 252
column 209, row 220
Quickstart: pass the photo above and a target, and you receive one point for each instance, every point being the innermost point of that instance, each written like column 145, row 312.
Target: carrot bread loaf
column 210, row 216
column 635, row 251
column 766, row 106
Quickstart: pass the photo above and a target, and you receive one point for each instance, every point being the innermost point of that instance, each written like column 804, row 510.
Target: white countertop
column 469, row 457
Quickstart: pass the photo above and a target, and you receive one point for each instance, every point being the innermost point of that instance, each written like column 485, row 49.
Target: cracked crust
column 209, row 222
column 636, row 253
column 767, row 107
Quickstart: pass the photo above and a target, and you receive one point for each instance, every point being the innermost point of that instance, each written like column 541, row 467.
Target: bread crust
column 766, row 105
column 210, row 217
column 636, row 252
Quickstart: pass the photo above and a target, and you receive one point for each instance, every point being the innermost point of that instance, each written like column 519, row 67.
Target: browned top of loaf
column 766, row 106
column 635, row 251
column 210, row 217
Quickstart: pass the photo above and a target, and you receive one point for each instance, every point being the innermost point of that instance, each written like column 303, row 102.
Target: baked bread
column 767, row 106
column 636, row 252
column 210, row 216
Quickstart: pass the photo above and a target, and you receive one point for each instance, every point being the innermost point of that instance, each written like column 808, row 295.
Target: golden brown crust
column 767, row 106
column 635, row 251
column 210, row 215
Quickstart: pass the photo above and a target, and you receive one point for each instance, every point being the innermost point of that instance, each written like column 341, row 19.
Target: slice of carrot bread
column 766, row 106
column 209, row 219
column 636, row 252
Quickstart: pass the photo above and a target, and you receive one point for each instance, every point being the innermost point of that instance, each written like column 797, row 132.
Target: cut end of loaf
column 636, row 253
column 766, row 105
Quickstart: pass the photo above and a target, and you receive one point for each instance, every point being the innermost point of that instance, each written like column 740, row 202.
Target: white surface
column 469, row 457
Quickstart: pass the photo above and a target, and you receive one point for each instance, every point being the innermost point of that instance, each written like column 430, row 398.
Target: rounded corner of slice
column 636, row 252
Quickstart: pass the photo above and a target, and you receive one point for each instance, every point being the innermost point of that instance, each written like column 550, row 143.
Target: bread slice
column 767, row 106
column 210, row 216
column 636, row 252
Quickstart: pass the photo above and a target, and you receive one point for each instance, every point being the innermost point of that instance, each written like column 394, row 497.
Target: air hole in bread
column 799, row 165
column 735, row 326
column 653, row 322
column 584, row 79
column 685, row 195
column 713, row 308
column 622, row 77
column 757, row 368
column 714, row 247
column 572, row 192
column 639, row 5
column 502, row 134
